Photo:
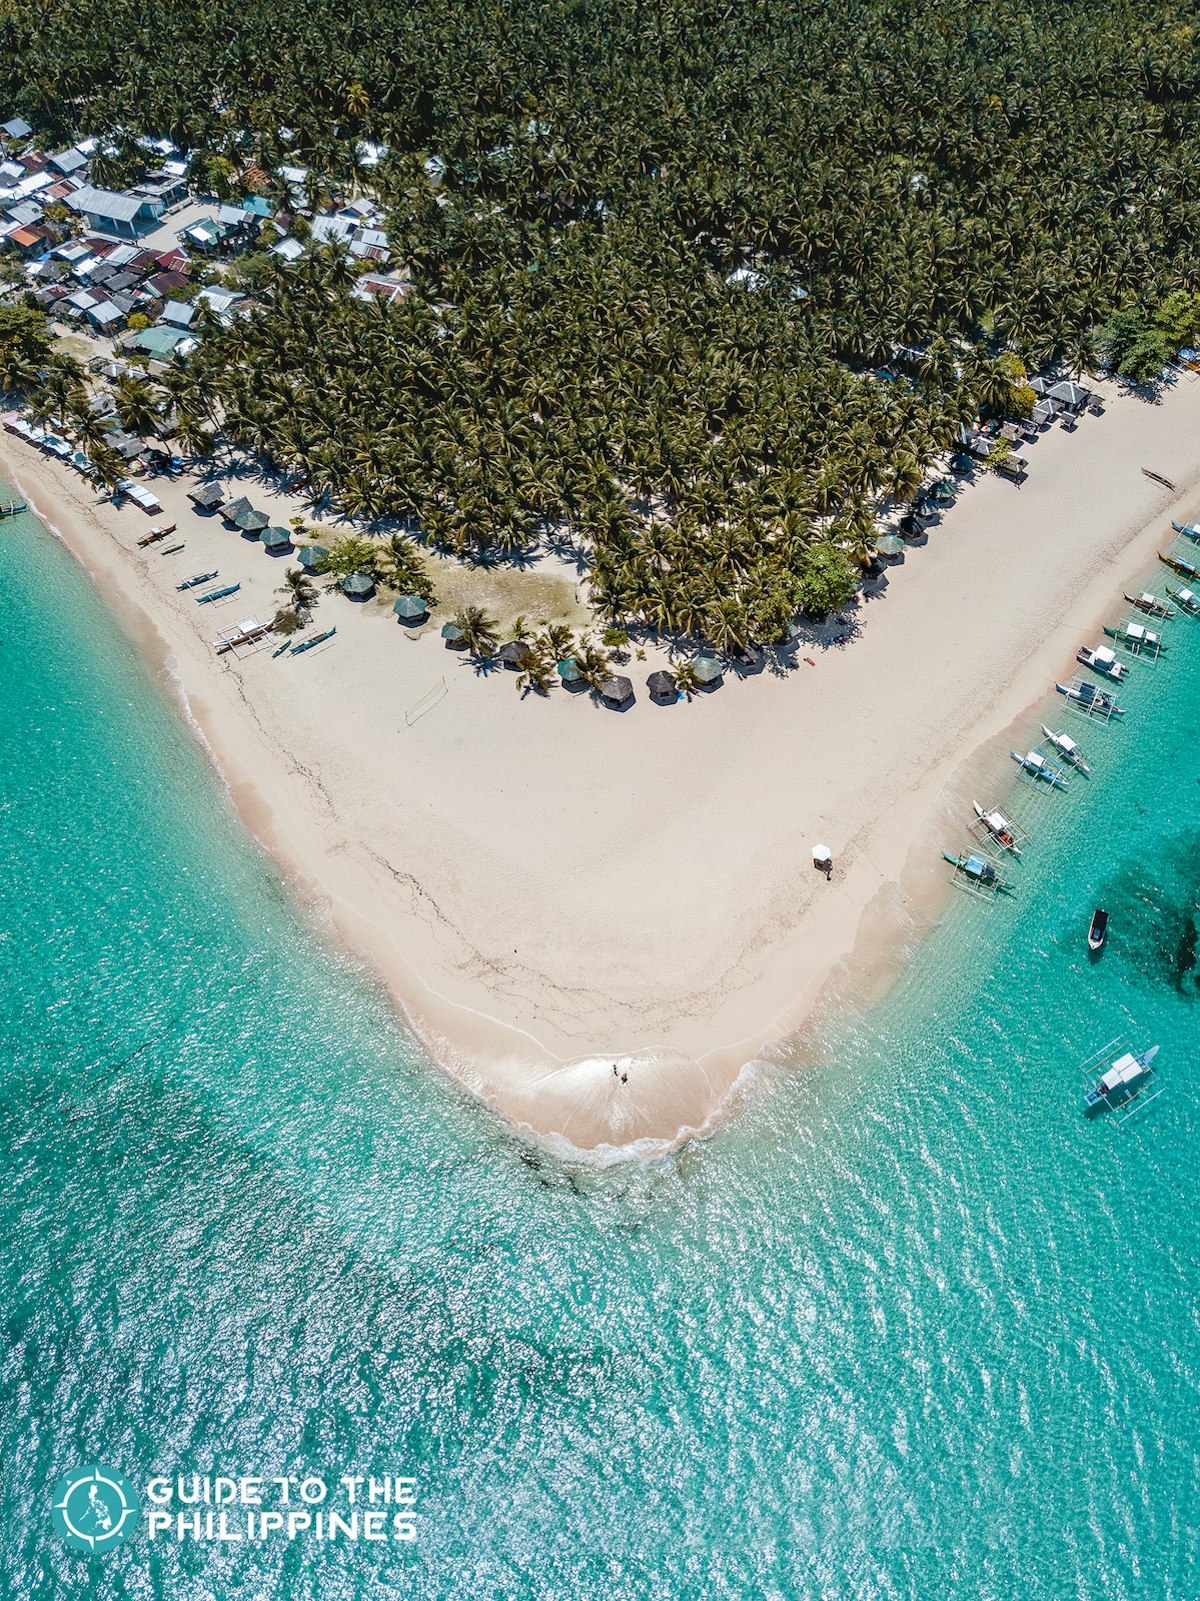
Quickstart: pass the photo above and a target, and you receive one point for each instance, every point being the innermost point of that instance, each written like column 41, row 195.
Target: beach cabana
column 568, row 670
column 944, row 492
column 962, row 463
column 358, row 585
column 707, row 669
column 251, row 522
column 208, row 496
column 1044, row 413
column 513, row 654
column 453, row 635
column 890, row 545
column 311, row 557
column 616, row 691
column 234, row 509
column 662, row 686
column 1068, row 394
column 276, row 540
column 411, row 609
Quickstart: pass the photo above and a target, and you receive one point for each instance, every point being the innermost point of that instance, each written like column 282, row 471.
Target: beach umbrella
column 358, row 584
column 275, row 539
column 410, row 607
column 311, row 557
column 616, row 690
column 452, row 633
column 252, row 522
column 568, row 670
column 662, row 686
column 890, row 545
column 707, row 669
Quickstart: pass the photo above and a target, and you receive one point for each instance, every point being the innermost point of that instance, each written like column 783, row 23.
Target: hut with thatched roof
column 662, row 686
column 276, row 541
column 513, row 654
column 708, row 669
column 207, row 497
column 311, row 557
column 615, row 690
column 233, row 509
column 358, row 585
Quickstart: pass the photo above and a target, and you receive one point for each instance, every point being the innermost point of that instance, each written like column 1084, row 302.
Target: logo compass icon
column 95, row 1508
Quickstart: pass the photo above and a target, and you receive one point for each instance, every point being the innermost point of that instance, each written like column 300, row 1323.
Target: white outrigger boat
column 1102, row 660
column 1189, row 531
column 1066, row 748
column 1000, row 827
column 1036, row 765
column 1116, row 1077
column 1150, row 604
column 1186, row 599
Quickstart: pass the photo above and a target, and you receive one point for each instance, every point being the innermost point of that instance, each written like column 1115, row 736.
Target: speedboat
column 1036, row 765
column 1098, row 932
column 1066, row 748
column 1102, row 660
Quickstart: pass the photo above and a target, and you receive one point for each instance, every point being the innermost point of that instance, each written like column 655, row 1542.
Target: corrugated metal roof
column 105, row 203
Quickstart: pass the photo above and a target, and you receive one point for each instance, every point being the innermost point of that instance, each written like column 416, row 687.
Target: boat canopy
column 998, row 821
column 1065, row 742
column 1124, row 1070
column 1103, row 654
column 1135, row 631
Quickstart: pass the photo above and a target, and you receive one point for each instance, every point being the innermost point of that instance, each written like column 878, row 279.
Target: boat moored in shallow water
column 978, row 873
column 1000, row 827
column 1066, row 748
column 1150, row 604
column 1092, row 700
column 1037, row 767
column 1136, row 638
column 1185, row 569
column 1102, row 660
column 1189, row 531
column 1186, row 599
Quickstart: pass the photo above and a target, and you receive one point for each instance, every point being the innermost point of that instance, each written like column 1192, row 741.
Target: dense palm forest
column 659, row 251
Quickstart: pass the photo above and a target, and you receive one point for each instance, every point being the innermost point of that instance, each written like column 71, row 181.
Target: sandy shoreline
column 549, row 888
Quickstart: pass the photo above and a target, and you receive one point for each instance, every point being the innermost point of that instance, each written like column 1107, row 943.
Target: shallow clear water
column 907, row 1326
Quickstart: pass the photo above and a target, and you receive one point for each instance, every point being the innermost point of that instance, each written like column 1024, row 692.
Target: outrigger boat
column 280, row 650
column 156, row 534
column 218, row 594
column 980, row 873
column 13, row 508
column 1066, row 748
column 1185, row 569
column 1189, row 531
column 1001, row 828
column 1186, row 599
column 1102, row 660
column 198, row 578
column 1036, row 765
column 246, row 632
column 1116, row 1077
column 1138, row 639
column 1092, row 699
column 1151, row 604
column 318, row 639
column 1098, row 932
column 171, row 550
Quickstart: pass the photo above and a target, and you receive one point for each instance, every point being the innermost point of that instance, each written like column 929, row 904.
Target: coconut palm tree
column 479, row 631
column 299, row 590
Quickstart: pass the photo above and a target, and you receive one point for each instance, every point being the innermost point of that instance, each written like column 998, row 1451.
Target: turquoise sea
column 907, row 1326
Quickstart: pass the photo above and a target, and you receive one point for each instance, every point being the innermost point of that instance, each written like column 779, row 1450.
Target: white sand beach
column 595, row 919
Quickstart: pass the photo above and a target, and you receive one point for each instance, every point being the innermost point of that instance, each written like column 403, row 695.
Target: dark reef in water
column 1155, row 916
